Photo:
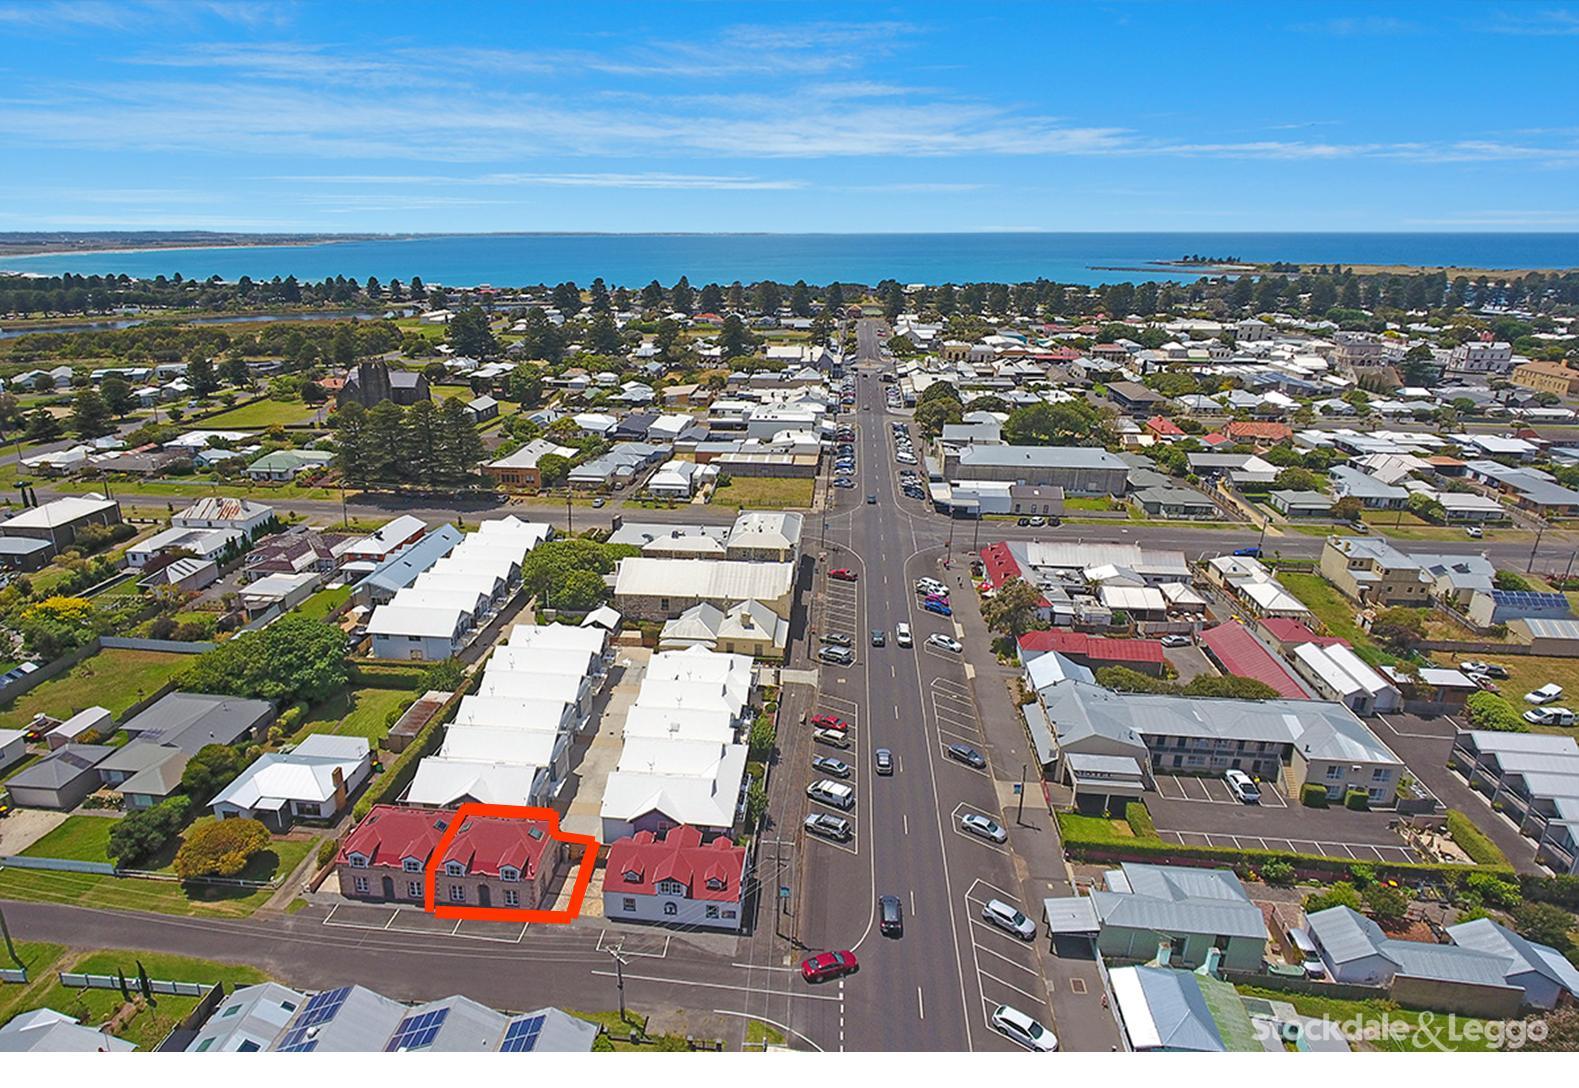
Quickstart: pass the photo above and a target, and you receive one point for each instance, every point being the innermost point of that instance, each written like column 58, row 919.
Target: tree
column 42, row 425
column 294, row 658
column 117, row 394
column 1426, row 508
column 1298, row 479
column 569, row 573
column 220, row 847
column 756, row 803
column 1545, row 923
column 89, row 416
column 213, row 767
column 553, row 469
column 1399, row 627
column 936, row 414
column 524, row 385
column 761, row 737
column 603, row 336
column 470, row 335
column 143, row 833
column 200, row 373
column 733, row 338
column 1012, row 609
column 1386, row 903
column 681, row 297
column 1071, row 423
column 1340, row 894
column 1348, row 508
column 446, row 675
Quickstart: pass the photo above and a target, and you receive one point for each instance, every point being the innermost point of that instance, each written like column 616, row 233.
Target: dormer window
column 358, row 861
column 632, row 876
column 455, row 868
column 671, row 887
column 412, row 865
column 509, row 873
column 715, row 883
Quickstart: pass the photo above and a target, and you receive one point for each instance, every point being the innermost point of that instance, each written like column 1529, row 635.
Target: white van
column 1546, row 693
column 1242, row 786
column 832, row 793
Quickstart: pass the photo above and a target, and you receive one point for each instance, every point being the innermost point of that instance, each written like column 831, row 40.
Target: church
column 372, row 381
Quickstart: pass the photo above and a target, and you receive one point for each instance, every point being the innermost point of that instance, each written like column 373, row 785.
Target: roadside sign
column 784, row 891
column 1018, row 789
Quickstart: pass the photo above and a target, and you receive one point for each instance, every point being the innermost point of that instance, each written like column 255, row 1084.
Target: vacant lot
column 262, row 415
column 1336, row 613
column 763, row 493
column 325, row 601
column 1420, row 1031
column 79, row 838
column 113, row 679
column 1528, row 673
column 362, row 712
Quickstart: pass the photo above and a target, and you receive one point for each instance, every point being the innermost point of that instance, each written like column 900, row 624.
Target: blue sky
column 1128, row 115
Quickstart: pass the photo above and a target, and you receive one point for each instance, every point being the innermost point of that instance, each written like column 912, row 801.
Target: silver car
column 1007, row 918
column 984, row 827
column 1023, row 1030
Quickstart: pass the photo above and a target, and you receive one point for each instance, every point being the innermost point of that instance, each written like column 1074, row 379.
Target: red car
column 828, row 721
column 828, row 965
column 843, row 574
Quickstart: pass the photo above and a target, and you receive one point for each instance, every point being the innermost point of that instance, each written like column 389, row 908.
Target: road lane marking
column 721, row 986
column 921, row 1006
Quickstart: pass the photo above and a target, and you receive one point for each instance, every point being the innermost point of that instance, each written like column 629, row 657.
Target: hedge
column 1487, row 711
column 1473, row 841
column 1562, row 891
column 389, row 675
column 1313, row 795
column 1139, row 819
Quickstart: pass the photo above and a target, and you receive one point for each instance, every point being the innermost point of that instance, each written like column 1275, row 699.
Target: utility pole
column 1020, row 814
column 570, row 516
column 5, row 931
column 1540, row 528
column 619, row 976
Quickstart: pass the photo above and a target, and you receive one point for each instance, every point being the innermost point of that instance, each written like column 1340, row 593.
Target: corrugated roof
column 1241, row 653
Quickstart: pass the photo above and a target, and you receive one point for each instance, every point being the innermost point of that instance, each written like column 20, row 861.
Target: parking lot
column 1359, row 851
column 841, row 611
column 1213, row 791
column 1007, row 970
column 850, row 711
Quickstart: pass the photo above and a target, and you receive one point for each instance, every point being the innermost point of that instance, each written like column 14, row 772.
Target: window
column 457, row 893
column 670, row 908
column 455, row 868
column 231, row 1011
column 628, row 904
column 1381, row 774
column 413, row 889
column 1334, row 773
column 715, row 883
column 663, row 603
column 632, row 876
column 247, row 1047
column 412, row 865
column 712, row 910
column 358, row 861
column 507, row 873
column 512, row 898
column 361, row 884
column 204, row 1045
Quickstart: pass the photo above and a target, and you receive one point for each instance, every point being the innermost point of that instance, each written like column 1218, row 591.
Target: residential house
column 42, row 1031
column 749, row 628
column 676, row 880
column 61, row 779
column 190, row 720
column 519, row 470
column 242, row 515
column 283, row 466
column 1373, row 572
column 281, row 592
column 314, row 781
column 663, row 588
column 58, row 522
column 1193, row 911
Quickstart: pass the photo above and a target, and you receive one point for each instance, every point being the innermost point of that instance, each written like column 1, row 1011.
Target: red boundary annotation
column 589, row 860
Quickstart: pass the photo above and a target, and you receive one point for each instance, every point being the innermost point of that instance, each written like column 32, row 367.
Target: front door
column 483, row 897
column 389, row 888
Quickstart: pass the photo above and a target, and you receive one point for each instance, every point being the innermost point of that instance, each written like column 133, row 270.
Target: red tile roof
column 1215, row 439
column 1239, row 652
column 1251, row 428
column 714, row 872
column 389, row 834
column 487, row 844
column 1292, row 632
column 1093, row 647
column 1163, row 427
column 998, row 565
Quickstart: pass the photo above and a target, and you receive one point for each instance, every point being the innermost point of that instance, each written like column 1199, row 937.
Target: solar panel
column 320, row 1009
column 418, row 1030
column 522, row 1035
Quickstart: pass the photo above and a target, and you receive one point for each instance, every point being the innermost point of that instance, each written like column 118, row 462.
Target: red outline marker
column 589, row 861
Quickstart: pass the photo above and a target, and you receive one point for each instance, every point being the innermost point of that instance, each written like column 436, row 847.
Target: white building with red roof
column 676, row 880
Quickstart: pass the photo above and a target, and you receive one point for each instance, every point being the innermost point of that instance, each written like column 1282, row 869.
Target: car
column 829, row 765
column 967, row 755
column 906, row 458
column 1549, row 715
column 836, row 638
column 597, row 503
column 828, row 826
column 1005, row 917
column 843, row 574
column 835, row 655
column 1015, row 1024
column 1038, row 521
column 871, row 500
column 1251, row 552
column 890, row 916
column 1242, row 786
column 879, row 637
column 931, row 587
column 944, row 642
column 828, row 721
column 828, row 792
column 1023, row 522
column 1546, row 693
column 1473, row 532
column 1484, row 682
column 932, row 604
column 1173, row 642
column 844, row 482
column 831, row 737
column 884, row 760
column 984, row 827
column 825, row 966
column 902, row 635
column 1485, row 668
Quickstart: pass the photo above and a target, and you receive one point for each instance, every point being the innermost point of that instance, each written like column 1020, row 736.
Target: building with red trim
column 676, row 880
column 1094, row 651
column 493, row 861
column 1236, row 651
column 1287, row 634
column 1163, row 427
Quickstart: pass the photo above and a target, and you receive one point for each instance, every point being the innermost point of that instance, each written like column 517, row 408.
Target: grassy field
column 1422, row 1031
column 197, row 487
column 157, row 896
column 261, row 415
column 362, row 712
column 1100, row 503
column 764, row 493
column 40, row 958
column 113, row 679
column 94, row 1007
column 79, row 838
column 1525, row 674
column 1336, row 612
column 325, row 601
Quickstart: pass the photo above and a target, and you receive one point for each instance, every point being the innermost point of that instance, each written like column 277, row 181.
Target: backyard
column 325, row 601
column 113, row 679
column 1525, row 674
column 357, row 712
column 1407, row 1031
column 763, row 492
column 1336, row 613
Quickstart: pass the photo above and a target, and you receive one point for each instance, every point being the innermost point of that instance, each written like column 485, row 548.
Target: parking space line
column 1010, row 985
column 1012, row 963
column 962, row 737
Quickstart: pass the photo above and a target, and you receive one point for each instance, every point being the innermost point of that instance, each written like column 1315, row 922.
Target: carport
column 1072, row 926
column 1099, row 780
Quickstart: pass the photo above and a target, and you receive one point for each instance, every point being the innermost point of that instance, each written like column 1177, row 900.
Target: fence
column 163, row 645
column 24, row 684
column 104, row 868
column 59, row 865
column 76, row 981
column 1342, row 991
column 13, row 974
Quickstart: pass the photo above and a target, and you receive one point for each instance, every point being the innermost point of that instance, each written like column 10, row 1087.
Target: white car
column 1549, row 715
column 1006, row 917
column 984, row 826
column 1242, row 786
column 943, row 642
column 1546, row 693
column 1474, row 532
column 1023, row 1030
column 1173, row 642
column 902, row 636
column 931, row 586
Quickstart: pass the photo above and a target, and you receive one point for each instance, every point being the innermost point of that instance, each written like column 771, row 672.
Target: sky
column 1137, row 115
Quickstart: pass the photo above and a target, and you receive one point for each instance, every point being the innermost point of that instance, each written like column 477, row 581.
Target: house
column 393, row 535
column 206, row 544
column 58, row 522
column 242, row 515
column 1374, row 573
column 189, row 720
column 654, row 589
column 297, row 552
column 95, row 721
column 1174, row 502
column 1259, row 432
column 278, row 591
column 283, row 466
column 1135, row 399
column 247, row 1020
column 1301, row 504
column 1032, row 500
column 61, row 779
column 1534, row 779
column 676, row 880
column 662, row 783
column 519, row 470
column 1335, row 672
column 1372, row 493
column 1182, row 1012
column 13, row 747
column 1545, row 376
column 20, row 553
column 315, row 781
column 482, row 408
column 1194, row 911
column 418, row 633
column 144, row 773
column 1237, row 652
column 187, row 574
column 1542, row 972
column 491, row 861
column 47, row 1031
column 372, row 381
column 749, row 628
column 679, row 479
column 405, row 565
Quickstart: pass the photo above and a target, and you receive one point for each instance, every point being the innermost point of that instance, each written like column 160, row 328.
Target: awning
column 1075, row 915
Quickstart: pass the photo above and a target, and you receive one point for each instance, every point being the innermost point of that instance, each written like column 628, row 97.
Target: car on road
column 843, row 574
column 1549, row 715
column 825, row 966
column 944, row 642
column 835, row 638
column 597, row 503
column 1022, row 1029
column 828, row 721
column 932, row 604
column 828, row 792
column 828, row 826
column 902, row 635
column 984, row 827
column 879, row 637
column 1242, row 786
column 828, row 765
column 1173, row 642
column 1485, row 668
column 1251, row 552
column 890, row 916
column 884, row 760
column 967, row 755
column 1546, row 693
column 1007, row 918
column 835, row 655
column 831, row 737
column 871, row 500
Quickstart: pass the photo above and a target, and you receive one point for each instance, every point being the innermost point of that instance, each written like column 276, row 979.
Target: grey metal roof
column 62, row 768
column 1550, row 628
column 1073, row 457
column 1179, row 899
column 1346, row 935
column 1523, row 956
column 1070, row 914
column 189, row 720
column 249, row 1018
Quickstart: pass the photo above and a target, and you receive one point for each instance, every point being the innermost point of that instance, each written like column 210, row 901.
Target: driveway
column 25, row 826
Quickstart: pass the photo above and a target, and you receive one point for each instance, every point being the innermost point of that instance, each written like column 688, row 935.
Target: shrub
column 1487, row 711
column 1277, row 872
column 1494, row 890
column 1561, row 890
column 761, row 737
column 327, row 850
column 1138, row 816
column 1386, row 902
column 447, row 675
column 1362, row 875
column 219, row 848
column 1341, row 894
column 1470, row 839
column 141, row 834
column 1545, row 924
column 1356, row 799
column 1313, row 795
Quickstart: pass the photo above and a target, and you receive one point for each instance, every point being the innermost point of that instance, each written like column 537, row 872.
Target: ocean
column 633, row 260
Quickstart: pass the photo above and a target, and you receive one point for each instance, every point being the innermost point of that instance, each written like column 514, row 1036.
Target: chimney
column 1164, row 954
column 1213, row 964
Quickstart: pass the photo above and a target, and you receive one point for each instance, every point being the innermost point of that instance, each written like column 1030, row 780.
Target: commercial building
column 676, row 880
column 1079, row 470
column 654, row 589
column 58, row 522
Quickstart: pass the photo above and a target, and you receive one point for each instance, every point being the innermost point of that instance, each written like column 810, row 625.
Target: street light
column 619, row 976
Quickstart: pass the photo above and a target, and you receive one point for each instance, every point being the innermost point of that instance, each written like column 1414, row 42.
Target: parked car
column 1242, row 786
column 1485, row 668
column 1251, row 552
column 1005, row 917
column 1023, row 522
column 943, row 642
column 968, row 756
column 831, row 737
column 890, row 916
column 1023, row 1030
column 597, row 503
column 845, row 482
column 1546, row 693
column 931, row 587
column 835, row 655
column 1173, row 642
column 828, row 721
column 828, row 792
column 884, row 760
column 1038, row 521
column 835, row 638
column 902, row 635
column 984, row 827
column 828, row 765
column 1549, row 715
column 843, row 574
column 932, row 604
column 1474, row 533
column 825, row 966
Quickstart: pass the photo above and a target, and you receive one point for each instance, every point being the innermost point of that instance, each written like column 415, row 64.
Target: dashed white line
column 921, row 1007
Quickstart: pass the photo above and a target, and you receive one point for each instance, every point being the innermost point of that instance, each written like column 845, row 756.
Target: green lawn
column 152, row 1023
column 79, row 838
column 1336, row 612
column 113, row 679
column 359, row 712
column 764, row 492
column 325, row 601
column 1088, row 504
column 197, row 487
column 262, row 414
column 1370, row 1013
column 39, row 958
column 1525, row 674
column 157, row 896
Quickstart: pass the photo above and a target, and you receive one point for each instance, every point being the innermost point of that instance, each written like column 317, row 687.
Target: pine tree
column 461, row 446
column 603, row 338
column 381, row 442
column 681, row 297
column 421, row 456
